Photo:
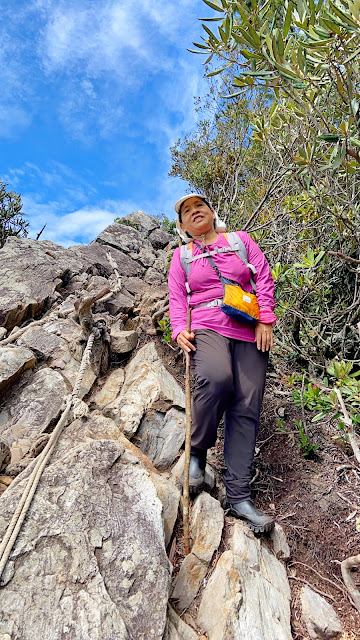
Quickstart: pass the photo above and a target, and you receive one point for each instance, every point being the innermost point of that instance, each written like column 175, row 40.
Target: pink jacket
column 206, row 286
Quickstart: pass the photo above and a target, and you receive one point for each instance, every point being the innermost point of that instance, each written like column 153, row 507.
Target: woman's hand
column 184, row 339
column 264, row 336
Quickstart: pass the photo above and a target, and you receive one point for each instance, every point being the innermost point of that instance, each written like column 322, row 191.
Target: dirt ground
column 316, row 500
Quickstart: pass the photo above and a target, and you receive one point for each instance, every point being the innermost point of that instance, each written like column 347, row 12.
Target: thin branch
column 346, row 566
column 338, row 254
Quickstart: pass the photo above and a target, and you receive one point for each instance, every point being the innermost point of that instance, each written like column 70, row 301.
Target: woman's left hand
column 264, row 336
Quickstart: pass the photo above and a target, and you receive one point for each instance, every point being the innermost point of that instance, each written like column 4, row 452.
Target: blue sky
column 93, row 94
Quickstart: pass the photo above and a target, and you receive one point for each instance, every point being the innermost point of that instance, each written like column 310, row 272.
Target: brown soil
column 316, row 500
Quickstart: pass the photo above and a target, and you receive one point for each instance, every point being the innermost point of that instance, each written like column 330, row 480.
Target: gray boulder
column 321, row 620
column 160, row 436
column 31, row 272
column 13, row 362
column 91, row 555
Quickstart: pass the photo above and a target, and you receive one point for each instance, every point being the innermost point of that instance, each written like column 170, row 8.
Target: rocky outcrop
column 77, row 553
column 321, row 620
column 13, row 362
column 248, row 595
column 91, row 557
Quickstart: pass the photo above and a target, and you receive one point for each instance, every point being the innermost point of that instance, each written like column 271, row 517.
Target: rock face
column 13, row 361
column 90, row 561
column 147, row 385
column 206, row 529
column 319, row 616
column 96, row 577
column 248, row 595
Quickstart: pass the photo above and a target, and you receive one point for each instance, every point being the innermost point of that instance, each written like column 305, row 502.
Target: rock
column 281, row 547
column 45, row 344
column 13, row 361
column 152, row 300
column 122, row 341
column 176, row 629
column 248, row 595
column 4, row 455
column 29, row 413
column 157, row 274
column 3, row 332
column 207, row 522
column 322, row 622
column 93, row 560
column 125, row 239
column 70, row 372
column 159, row 238
column 188, row 581
column 134, row 285
column 67, row 329
column 120, row 303
column 221, row 601
column 141, row 222
column 110, row 389
column 206, row 529
column 31, row 272
column 160, row 436
column 145, row 256
column 5, row 482
column 95, row 255
column 147, row 382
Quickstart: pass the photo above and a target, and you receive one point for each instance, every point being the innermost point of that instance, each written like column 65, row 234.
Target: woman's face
column 196, row 217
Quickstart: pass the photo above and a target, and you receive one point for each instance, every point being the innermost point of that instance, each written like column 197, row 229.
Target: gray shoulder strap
column 185, row 260
column 237, row 244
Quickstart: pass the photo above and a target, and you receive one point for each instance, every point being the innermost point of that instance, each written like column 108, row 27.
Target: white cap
column 219, row 225
column 188, row 195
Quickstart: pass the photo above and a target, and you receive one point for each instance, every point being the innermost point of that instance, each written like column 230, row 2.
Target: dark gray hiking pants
column 229, row 380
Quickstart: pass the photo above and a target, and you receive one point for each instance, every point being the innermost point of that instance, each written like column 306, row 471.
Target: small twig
column 40, row 232
column 326, row 595
column 320, row 576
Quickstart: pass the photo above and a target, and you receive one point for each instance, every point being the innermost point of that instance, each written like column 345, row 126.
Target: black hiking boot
column 196, row 472
column 258, row 521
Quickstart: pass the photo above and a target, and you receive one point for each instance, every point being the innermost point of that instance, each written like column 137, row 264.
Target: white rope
column 14, row 336
column 14, row 526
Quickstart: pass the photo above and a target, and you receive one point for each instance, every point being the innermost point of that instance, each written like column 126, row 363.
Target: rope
column 118, row 286
column 14, row 336
column 14, row 527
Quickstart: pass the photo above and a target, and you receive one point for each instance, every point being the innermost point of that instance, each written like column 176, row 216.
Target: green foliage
column 127, row 223
column 165, row 223
column 165, row 327
column 307, row 448
column 11, row 222
column 323, row 398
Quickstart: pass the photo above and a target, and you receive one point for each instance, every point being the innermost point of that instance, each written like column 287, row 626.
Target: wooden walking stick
column 187, row 444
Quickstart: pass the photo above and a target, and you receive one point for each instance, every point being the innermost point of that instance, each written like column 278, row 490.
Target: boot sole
column 256, row 528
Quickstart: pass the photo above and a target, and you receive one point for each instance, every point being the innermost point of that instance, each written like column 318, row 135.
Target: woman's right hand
column 184, row 340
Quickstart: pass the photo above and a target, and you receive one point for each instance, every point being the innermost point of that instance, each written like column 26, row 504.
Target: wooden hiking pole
column 187, row 444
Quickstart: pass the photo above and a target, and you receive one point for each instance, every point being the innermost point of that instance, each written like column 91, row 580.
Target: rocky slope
column 91, row 560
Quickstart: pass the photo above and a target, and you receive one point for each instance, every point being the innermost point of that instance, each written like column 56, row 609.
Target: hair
column 203, row 199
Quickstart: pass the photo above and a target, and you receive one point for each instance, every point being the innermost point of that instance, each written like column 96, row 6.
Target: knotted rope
column 71, row 402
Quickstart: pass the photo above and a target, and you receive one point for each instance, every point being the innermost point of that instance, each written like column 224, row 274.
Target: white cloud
column 73, row 227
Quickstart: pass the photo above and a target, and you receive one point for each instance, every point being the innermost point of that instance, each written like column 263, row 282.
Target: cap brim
column 188, row 195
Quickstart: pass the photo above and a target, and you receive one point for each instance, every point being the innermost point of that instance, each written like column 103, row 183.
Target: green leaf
column 214, row 6
column 353, row 55
column 200, row 46
column 194, row 51
column 216, row 72
column 234, row 95
column 355, row 141
column 342, row 15
column 329, row 137
column 287, row 21
column 210, row 34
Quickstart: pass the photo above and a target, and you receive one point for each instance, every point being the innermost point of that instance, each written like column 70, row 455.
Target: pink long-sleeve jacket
column 206, row 286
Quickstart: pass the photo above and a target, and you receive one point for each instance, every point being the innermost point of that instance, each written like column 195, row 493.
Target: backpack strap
column 238, row 246
column 186, row 254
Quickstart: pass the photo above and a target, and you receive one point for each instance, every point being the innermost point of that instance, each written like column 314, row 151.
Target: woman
column 229, row 358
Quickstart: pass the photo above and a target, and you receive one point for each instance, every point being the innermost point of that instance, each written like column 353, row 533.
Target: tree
column 11, row 222
column 306, row 56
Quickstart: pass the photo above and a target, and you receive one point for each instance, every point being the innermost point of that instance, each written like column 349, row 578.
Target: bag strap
column 238, row 246
column 186, row 253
